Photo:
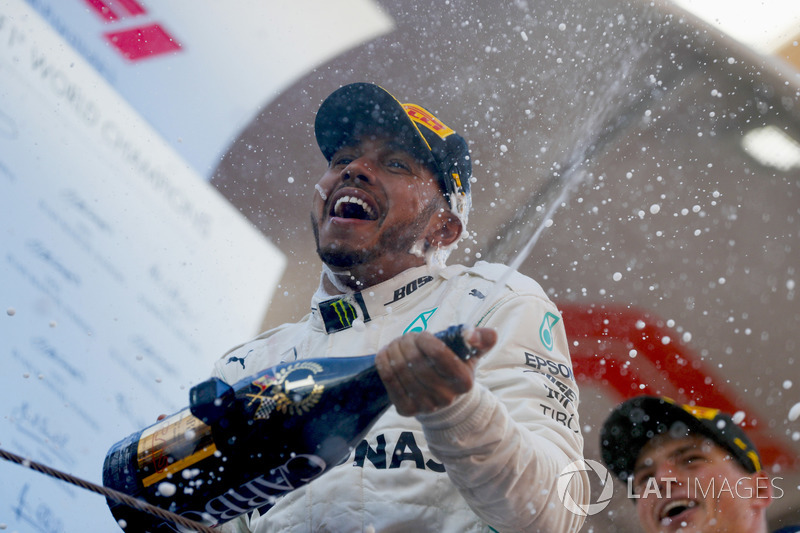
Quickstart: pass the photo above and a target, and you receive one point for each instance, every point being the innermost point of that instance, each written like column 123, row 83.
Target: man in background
column 688, row 469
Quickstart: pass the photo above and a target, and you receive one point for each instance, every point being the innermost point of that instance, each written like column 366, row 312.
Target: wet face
column 691, row 484
column 376, row 209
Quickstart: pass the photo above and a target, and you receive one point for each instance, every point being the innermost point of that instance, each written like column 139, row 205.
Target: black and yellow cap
column 634, row 422
column 364, row 107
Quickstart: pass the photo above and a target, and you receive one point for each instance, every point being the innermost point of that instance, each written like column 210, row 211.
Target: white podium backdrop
column 233, row 57
column 123, row 275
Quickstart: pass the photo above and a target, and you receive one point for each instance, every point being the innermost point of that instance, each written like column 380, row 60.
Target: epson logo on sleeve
column 551, row 367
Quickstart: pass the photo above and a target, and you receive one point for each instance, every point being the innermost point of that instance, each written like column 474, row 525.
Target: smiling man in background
column 688, row 469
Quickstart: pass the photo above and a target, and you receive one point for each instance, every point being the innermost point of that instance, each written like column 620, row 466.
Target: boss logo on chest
column 405, row 290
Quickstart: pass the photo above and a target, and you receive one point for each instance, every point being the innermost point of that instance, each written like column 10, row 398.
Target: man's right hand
column 421, row 374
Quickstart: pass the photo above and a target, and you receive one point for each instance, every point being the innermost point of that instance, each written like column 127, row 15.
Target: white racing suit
column 488, row 462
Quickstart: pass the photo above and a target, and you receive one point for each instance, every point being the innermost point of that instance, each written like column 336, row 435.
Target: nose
column 359, row 169
column 666, row 473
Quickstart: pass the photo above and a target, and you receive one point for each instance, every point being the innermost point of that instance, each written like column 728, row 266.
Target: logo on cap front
column 696, row 411
column 422, row 116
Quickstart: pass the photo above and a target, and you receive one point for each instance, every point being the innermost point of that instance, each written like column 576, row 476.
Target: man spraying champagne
column 467, row 444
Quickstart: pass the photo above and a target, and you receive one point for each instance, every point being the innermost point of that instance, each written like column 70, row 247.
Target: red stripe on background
column 608, row 372
column 133, row 7
column 598, row 329
column 143, row 42
column 102, row 9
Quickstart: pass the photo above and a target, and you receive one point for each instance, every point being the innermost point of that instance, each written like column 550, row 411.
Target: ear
column 763, row 490
column 444, row 229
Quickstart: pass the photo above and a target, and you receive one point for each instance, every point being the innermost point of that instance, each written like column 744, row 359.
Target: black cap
column 361, row 107
column 634, row 422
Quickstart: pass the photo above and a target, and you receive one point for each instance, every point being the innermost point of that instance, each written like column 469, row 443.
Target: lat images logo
column 590, row 508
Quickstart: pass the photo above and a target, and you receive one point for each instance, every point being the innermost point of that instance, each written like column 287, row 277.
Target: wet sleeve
column 506, row 442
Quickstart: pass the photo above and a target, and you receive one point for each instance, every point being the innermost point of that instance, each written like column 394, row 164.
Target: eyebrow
column 675, row 453
column 393, row 146
column 389, row 146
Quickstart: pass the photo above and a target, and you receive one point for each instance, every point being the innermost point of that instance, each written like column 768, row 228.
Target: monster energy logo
column 345, row 312
column 546, row 330
column 338, row 314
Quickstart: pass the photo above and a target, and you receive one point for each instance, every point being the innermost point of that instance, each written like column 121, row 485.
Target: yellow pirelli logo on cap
column 422, row 116
column 706, row 413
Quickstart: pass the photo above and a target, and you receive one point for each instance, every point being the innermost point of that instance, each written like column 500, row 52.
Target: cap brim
column 361, row 108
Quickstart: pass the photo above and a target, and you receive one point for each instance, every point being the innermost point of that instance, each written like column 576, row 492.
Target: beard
column 334, row 256
column 394, row 240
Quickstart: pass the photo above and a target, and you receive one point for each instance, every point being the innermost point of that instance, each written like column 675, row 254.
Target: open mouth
column 352, row 207
column 675, row 508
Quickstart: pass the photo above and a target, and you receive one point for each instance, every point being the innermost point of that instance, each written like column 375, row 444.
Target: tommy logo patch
column 546, row 330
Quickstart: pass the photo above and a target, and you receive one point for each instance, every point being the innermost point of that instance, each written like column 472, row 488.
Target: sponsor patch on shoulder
column 546, row 330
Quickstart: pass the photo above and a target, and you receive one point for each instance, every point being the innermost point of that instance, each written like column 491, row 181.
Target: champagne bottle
column 238, row 448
